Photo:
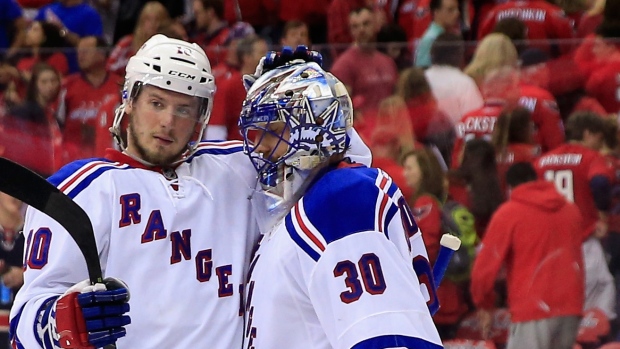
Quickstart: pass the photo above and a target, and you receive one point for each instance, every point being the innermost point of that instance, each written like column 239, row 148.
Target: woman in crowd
column 475, row 183
column 425, row 176
column 34, row 122
column 44, row 43
column 512, row 139
column 41, row 96
column 493, row 52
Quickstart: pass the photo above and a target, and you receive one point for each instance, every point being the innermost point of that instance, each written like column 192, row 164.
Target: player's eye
column 185, row 112
column 157, row 104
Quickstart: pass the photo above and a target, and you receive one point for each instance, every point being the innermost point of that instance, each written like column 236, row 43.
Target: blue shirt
column 9, row 12
column 423, row 51
column 82, row 20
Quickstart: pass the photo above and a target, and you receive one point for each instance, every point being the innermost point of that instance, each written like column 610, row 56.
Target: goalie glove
column 273, row 60
column 92, row 316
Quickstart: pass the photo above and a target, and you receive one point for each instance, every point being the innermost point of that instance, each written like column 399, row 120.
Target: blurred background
column 447, row 93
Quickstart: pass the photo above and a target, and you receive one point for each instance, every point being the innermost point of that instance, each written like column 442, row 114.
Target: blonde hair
column 597, row 8
column 494, row 51
column 151, row 7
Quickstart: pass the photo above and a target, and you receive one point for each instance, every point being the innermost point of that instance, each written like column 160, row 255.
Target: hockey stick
column 25, row 185
column 448, row 245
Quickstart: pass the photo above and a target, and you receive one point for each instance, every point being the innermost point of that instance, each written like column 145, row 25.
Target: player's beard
column 155, row 158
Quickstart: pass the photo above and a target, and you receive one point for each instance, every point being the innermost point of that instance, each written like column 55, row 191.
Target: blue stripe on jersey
column 216, row 151
column 395, row 341
column 298, row 240
column 343, row 202
column 85, row 182
column 392, row 189
column 219, row 151
column 393, row 208
column 13, row 329
column 69, row 169
column 390, row 214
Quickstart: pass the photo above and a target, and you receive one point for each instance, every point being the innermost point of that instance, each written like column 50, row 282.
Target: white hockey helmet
column 173, row 65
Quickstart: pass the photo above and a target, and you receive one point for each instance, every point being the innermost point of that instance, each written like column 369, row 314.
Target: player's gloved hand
column 274, row 59
column 92, row 316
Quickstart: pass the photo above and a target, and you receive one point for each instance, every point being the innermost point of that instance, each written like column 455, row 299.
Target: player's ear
column 129, row 106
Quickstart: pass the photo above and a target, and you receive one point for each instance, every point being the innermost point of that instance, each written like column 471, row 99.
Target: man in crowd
column 445, row 17
column 545, row 295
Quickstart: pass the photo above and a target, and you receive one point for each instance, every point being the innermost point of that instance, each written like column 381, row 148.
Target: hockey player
column 171, row 220
column 159, row 213
column 334, row 266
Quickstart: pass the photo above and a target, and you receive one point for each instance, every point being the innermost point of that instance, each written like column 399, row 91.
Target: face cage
column 271, row 171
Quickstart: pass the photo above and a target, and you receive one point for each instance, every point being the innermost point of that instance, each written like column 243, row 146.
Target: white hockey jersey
column 180, row 239
column 338, row 271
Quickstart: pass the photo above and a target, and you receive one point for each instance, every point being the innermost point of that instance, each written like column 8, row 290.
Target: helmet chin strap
column 305, row 162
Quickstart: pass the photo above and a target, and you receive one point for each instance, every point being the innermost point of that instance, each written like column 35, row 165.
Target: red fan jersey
column 414, row 16
column 515, row 153
column 105, row 118
column 214, row 44
column 119, row 58
column 227, row 104
column 604, row 85
column 543, row 20
column 478, row 123
column 79, row 106
column 571, row 167
column 589, row 104
column 255, row 12
column 545, row 116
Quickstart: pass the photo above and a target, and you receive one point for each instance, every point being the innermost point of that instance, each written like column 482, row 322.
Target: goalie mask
column 172, row 65
column 315, row 110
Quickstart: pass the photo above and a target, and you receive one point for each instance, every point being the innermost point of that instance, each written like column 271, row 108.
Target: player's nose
column 166, row 118
column 262, row 142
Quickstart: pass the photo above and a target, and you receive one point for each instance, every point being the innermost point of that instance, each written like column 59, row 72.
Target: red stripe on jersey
column 220, row 144
column 81, row 173
column 384, row 201
column 305, row 229
column 383, row 183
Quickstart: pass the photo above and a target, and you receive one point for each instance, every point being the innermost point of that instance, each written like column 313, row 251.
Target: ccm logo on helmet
column 182, row 75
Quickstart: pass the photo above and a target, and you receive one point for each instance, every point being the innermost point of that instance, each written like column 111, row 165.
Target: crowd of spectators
column 454, row 97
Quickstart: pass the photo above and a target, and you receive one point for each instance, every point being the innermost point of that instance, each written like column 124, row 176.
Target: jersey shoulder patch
column 74, row 177
column 343, row 202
